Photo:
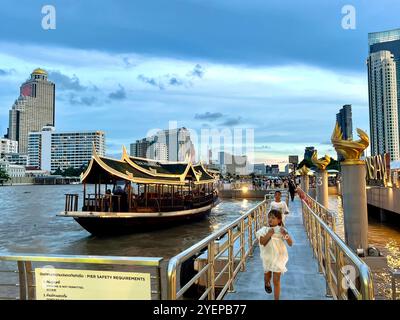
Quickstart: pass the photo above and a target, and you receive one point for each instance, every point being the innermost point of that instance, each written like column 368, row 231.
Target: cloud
column 210, row 116
column 232, row 121
column 4, row 72
column 86, row 101
column 150, row 81
column 198, row 71
column 120, row 94
column 64, row 82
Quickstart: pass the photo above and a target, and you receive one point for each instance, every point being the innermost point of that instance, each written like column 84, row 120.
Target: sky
column 280, row 70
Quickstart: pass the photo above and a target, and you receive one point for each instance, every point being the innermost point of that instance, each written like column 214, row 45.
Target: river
column 29, row 225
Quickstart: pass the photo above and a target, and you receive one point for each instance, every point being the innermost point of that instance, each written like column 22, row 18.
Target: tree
column 4, row 177
column 58, row 172
column 306, row 162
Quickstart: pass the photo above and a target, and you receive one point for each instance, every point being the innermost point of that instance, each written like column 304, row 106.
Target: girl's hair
column 277, row 214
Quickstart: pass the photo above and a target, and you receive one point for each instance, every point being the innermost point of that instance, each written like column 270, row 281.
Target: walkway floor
column 302, row 280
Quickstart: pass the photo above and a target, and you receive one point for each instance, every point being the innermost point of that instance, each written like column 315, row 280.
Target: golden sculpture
column 304, row 170
column 321, row 164
column 349, row 149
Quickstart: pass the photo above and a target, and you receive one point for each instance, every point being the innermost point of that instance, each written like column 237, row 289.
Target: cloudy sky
column 280, row 69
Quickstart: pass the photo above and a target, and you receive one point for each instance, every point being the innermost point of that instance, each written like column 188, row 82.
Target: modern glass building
column 388, row 41
column 345, row 121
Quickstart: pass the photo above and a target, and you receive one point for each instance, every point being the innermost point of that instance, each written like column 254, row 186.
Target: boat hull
column 114, row 225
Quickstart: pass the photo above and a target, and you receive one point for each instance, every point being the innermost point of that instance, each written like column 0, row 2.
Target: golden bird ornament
column 349, row 149
column 320, row 163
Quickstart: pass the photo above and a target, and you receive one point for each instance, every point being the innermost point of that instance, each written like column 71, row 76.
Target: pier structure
column 322, row 178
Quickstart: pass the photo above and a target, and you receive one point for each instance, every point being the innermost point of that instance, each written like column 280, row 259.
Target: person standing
column 292, row 189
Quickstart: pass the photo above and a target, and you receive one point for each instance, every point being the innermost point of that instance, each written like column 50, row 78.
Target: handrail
column 332, row 264
column 247, row 225
column 138, row 261
column 328, row 216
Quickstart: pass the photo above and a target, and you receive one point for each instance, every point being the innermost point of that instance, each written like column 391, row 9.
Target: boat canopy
column 104, row 170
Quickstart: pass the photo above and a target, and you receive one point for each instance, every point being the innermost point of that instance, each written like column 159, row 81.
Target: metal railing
column 328, row 216
column 346, row 275
column 25, row 281
column 241, row 230
column 395, row 274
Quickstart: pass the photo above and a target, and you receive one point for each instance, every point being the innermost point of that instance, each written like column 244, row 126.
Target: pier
column 302, row 281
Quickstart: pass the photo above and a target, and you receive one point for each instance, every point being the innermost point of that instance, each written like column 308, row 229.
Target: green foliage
column 70, row 172
column 4, row 177
column 306, row 162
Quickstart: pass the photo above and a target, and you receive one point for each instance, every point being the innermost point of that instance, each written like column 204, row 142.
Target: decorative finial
column 304, row 170
column 349, row 149
column 321, row 164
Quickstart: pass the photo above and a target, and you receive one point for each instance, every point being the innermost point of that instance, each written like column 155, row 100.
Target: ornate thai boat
column 137, row 194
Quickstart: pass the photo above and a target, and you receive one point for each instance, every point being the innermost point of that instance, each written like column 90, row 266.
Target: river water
column 28, row 224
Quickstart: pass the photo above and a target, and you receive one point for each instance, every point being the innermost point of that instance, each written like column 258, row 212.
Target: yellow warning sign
column 72, row 284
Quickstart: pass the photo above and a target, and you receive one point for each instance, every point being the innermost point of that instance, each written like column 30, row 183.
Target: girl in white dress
column 273, row 251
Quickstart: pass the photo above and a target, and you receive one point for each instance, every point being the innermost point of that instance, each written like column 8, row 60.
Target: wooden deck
column 302, row 280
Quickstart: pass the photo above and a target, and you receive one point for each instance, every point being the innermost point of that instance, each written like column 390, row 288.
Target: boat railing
column 71, row 202
column 242, row 230
column 395, row 275
column 18, row 271
column 346, row 275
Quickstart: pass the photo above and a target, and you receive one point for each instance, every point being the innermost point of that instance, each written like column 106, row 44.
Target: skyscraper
column 345, row 121
column 308, row 152
column 383, row 108
column 388, row 41
column 34, row 108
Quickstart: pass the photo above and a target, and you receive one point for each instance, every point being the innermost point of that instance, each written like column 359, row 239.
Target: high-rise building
column 345, row 121
column 388, row 41
column 34, row 108
column 172, row 145
column 50, row 150
column 308, row 152
column 8, row 146
column 383, row 108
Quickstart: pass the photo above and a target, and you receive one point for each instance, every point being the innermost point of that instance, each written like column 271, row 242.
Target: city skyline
column 109, row 86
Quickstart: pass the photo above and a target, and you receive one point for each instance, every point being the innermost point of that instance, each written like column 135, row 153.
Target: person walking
column 273, row 251
column 292, row 189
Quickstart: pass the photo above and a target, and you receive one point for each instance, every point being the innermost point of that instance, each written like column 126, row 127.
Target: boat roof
column 147, row 171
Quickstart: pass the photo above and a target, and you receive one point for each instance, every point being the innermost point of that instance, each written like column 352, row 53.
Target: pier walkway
column 302, row 280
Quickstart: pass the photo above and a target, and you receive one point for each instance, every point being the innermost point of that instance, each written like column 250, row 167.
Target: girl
column 279, row 205
column 273, row 251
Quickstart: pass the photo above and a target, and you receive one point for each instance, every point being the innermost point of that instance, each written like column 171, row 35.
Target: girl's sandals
column 268, row 288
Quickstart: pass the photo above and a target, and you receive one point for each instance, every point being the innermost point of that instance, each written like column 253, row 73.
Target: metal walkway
column 302, row 280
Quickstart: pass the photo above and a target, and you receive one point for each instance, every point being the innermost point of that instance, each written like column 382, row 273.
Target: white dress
column 274, row 255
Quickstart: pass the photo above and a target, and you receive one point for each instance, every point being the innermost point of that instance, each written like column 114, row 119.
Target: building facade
column 171, row 145
column 383, row 108
column 345, row 120
column 34, row 108
column 8, row 146
column 50, row 150
column 388, row 41
column 13, row 170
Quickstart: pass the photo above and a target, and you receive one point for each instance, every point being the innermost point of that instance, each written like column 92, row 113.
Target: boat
column 135, row 194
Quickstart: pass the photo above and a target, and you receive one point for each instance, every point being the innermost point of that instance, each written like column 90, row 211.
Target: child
column 279, row 205
column 273, row 251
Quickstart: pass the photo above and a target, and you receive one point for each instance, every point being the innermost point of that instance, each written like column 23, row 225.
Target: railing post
column 250, row 235
column 231, row 261
column 211, row 271
column 328, row 275
column 339, row 275
column 242, row 246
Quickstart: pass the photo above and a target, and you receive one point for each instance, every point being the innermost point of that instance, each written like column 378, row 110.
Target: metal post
column 211, row 271
column 242, row 246
column 230, row 261
column 328, row 275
